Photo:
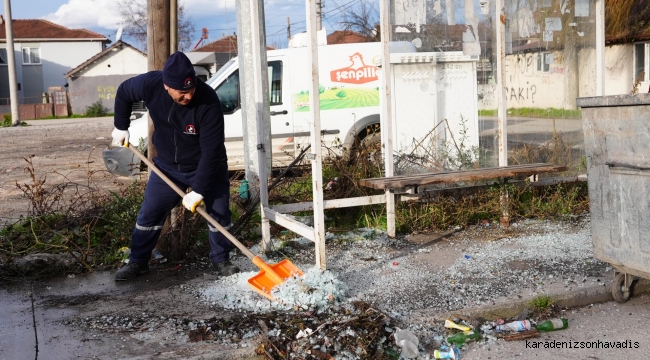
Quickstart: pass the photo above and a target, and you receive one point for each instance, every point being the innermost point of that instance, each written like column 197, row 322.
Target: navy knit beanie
column 178, row 72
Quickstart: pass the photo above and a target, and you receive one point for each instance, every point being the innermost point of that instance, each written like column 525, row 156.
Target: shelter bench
column 409, row 184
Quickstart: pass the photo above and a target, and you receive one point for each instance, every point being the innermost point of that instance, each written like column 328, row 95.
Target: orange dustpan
column 269, row 276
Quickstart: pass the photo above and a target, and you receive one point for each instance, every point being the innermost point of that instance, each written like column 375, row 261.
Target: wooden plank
column 291, row 224
column 524, row 166
column 331, row 204
column 461, row 175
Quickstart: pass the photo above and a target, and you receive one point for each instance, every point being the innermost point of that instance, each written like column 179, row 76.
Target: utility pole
column 158, row 39
column 158, row 46
column 256, row 117
column 11, row 62
column 319, row 17
column 288, row 31
column 173, row 26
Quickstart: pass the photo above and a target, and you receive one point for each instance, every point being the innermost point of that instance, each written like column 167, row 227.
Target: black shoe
column 131, row 270
column 226, row 268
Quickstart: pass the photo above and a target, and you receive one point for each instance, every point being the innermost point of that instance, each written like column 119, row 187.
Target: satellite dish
column 118, row 36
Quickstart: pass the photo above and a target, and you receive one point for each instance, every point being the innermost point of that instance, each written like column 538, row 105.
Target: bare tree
column 134, row 17
column 364, row 19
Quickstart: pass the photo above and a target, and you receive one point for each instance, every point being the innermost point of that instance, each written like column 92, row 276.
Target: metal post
column 502, row 120
column 254, row 90
column 600, row 47
column 173, row 26
column 11, row 62
column 386, row 112
column 315, row 156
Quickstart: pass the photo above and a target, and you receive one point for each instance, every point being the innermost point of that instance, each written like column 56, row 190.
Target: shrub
column 97, row 109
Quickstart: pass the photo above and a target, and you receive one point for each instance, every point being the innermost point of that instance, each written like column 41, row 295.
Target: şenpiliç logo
column 189, row 82
column 356, row 73
column 190, row 129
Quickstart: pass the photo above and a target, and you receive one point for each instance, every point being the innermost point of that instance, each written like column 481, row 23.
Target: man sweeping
column 189, row 140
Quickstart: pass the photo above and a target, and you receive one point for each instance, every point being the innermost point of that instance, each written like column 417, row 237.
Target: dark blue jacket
column 187, row 137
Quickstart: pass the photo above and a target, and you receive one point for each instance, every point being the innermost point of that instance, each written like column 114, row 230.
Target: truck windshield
column 213, row 80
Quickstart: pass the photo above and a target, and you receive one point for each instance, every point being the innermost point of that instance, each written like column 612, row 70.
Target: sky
column 218, row 16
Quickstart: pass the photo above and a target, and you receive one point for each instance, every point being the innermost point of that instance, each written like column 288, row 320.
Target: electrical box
column 435, row 109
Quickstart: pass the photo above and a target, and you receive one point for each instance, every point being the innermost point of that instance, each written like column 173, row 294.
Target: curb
column 573, row 299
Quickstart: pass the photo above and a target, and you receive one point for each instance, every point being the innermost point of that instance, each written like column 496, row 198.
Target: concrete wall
column 527, row 87
column 61, row 57
column 619, row 71
column 100, row 80
column 85, row 91
column 123, row 61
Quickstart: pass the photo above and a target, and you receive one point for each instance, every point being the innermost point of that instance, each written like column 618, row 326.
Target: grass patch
column 550, row 113
column 541, row 303
column 6, row 121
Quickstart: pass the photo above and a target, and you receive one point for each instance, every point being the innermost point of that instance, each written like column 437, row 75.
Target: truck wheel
column 621, row 290
column 368, row 145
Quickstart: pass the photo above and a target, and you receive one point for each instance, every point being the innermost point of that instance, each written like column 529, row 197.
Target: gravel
column 398, row 277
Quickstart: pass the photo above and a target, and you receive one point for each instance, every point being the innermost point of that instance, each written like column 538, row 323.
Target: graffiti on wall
column 525, row 64
column 521, row 93
column 106, row 92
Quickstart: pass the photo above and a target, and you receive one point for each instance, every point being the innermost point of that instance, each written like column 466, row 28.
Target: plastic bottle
column 552, row 325
column 446, row 353
column 515, row 326
column 408, row 342
column 460, row 338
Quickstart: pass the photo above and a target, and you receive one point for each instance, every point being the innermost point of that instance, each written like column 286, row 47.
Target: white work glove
column 120, row 137
column 192, row 200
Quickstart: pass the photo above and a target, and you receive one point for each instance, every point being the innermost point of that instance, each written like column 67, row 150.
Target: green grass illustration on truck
column 339, row 98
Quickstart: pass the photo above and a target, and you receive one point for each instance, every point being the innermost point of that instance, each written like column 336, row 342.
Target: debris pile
column 316, row 289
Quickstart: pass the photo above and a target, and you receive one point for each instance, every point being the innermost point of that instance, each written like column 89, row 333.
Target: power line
column 340, row 9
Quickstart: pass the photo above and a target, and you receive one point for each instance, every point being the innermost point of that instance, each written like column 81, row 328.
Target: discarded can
column 452, row 353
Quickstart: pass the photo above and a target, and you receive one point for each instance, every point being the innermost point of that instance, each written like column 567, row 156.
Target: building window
column 275, row 82
column 640, row 62
column 544, row 61
column 3, row 56
column 31, row 56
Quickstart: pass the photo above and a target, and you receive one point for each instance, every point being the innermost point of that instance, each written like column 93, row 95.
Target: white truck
column 349, row 102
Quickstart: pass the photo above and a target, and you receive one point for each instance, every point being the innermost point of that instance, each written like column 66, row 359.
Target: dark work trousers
column 160, row 199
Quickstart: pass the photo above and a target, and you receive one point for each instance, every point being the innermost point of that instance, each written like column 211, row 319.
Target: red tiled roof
column 345, row 37
column 25, row 29
column 227, row 44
